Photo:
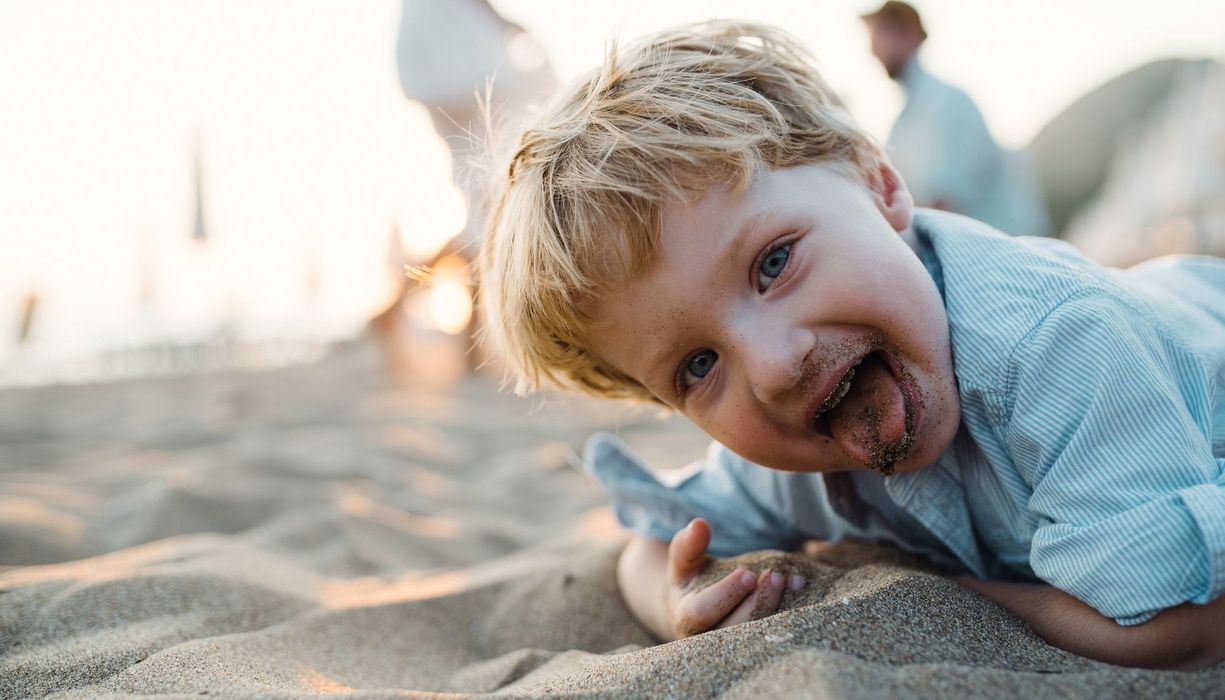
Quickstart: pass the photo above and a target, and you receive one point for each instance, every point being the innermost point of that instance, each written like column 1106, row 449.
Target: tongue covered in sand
column 870, row 422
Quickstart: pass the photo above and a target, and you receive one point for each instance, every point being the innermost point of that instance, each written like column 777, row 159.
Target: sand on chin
column 314, row 531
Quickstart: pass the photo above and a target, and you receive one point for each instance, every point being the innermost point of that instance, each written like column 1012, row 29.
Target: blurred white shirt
column 941, row 145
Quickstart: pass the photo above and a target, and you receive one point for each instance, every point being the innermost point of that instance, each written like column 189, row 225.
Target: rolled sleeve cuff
column 1206, row 504
column 709, row 489
column 1134, row 565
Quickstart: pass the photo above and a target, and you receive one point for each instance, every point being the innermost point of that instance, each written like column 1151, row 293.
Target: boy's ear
column 891, row 195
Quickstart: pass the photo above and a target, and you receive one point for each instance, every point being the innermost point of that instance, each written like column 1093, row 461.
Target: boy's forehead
column 642, row 315
column 637, row 330
column 681, row 222
column 699, row 237
column 716, row 201
column 728, row 208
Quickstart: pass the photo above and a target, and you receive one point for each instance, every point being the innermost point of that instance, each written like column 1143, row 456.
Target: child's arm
column 658, row 583
column 1187, row 636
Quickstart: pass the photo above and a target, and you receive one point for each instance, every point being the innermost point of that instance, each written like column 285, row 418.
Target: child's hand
column 739, row 597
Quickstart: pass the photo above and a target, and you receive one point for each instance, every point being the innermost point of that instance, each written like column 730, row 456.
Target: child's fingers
column 744, row 611
column 763, row 602
column 701, row 610
column 771, row 595
column 687, row 551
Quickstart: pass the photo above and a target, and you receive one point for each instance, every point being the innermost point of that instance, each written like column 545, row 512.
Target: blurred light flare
column 450, row 295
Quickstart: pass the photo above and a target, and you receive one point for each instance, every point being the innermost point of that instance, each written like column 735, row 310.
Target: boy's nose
column 775, row 361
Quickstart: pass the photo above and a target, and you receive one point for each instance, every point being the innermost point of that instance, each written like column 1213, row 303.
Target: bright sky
column 311, row 150
column 308, row 147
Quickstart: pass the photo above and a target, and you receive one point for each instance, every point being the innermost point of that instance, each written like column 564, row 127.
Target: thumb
column 687, row 552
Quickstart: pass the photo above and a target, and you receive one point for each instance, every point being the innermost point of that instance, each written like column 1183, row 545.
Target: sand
column 316, row 531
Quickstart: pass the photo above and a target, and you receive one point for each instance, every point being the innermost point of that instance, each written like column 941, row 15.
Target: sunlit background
column 183, row 173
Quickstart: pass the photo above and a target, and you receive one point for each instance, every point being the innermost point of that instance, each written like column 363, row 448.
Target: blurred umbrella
column 199, row 231
column 29, row 307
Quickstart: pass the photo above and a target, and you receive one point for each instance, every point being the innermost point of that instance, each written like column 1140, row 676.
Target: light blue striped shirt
column 1091, row 452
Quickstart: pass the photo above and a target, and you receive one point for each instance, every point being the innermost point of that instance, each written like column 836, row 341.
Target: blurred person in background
column 459, row 58
column 450, row 51
column 940, row 141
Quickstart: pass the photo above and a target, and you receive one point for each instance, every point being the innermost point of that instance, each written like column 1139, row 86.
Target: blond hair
column 581, row 198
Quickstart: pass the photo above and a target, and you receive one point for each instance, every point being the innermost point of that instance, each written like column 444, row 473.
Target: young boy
column 700, row 224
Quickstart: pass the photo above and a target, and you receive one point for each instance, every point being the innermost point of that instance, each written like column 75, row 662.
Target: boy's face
column 793, row 324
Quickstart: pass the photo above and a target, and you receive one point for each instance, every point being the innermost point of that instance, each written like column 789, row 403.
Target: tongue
column 870, row 421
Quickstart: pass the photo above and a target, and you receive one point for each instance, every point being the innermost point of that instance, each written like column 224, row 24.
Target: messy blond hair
column 580, row 202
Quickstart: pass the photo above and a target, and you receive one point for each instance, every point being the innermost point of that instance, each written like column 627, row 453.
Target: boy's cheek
column 740, row 431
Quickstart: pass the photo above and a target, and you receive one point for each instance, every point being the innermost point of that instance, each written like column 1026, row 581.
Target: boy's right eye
column 694, row 368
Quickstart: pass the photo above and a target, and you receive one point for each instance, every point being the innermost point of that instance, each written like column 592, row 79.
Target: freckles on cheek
column 744, row 433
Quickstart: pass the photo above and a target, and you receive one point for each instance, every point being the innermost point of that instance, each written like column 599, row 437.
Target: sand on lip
column 313, row 532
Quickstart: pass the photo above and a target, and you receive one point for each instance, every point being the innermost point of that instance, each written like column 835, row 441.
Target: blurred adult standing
column 468, row 66
column 940, row 142
column 450, row 51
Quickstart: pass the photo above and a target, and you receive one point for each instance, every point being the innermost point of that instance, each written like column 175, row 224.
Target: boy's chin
column 910, row 464
column 925, row 451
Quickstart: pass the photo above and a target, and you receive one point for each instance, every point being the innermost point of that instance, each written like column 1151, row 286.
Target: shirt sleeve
column 1109, row 424
column 748, row 506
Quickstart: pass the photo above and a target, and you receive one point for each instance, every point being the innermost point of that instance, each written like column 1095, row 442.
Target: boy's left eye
column 772, row 265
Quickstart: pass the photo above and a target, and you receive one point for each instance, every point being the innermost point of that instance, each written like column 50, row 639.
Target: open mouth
column 819, row 420
column 869, row 412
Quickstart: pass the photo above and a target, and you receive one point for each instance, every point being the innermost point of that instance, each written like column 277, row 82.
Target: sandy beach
column 317, row 530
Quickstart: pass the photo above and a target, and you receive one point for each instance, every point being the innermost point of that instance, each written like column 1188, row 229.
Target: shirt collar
column 936, row 498
column 926, row 252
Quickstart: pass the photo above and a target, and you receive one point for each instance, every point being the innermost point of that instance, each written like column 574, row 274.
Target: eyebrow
column 730, row 251
column 733, row 248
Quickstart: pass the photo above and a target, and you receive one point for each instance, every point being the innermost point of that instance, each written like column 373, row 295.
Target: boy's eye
column 696, row 367
column 772, row 266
